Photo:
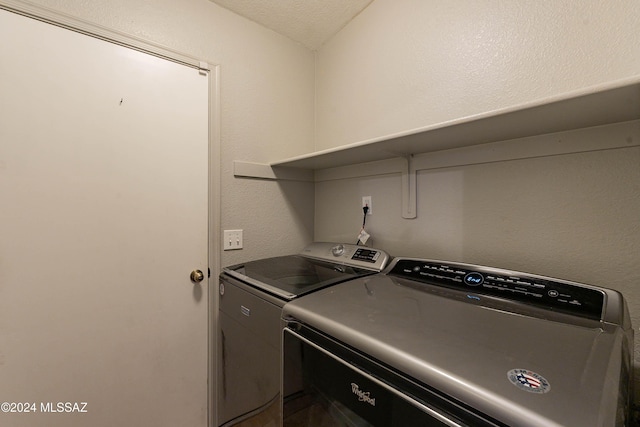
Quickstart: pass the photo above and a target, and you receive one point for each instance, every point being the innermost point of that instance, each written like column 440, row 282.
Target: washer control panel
column 544, row 292
column 348, row 254
column 366, row 255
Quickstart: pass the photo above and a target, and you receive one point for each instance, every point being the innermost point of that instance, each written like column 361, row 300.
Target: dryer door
column 328, row 384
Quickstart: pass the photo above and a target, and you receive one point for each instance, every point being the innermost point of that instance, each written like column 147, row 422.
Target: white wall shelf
column 614, row 102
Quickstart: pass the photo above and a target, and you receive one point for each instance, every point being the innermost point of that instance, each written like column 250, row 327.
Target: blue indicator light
column 474, row 279
column 473, row 297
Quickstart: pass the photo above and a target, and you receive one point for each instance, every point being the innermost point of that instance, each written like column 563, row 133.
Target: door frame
column 212, row 70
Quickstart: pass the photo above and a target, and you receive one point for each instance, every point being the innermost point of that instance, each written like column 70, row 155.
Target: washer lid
column 477, row 354
column 293, row 275
column 319, row 265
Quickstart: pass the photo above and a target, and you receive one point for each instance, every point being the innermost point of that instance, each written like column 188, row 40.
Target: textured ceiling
column 310, row 22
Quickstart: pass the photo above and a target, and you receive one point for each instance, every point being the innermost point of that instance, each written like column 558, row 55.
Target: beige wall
column 267, row 97
column 406, row 64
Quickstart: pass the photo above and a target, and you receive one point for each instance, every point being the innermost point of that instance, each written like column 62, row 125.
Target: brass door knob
column 197, row 276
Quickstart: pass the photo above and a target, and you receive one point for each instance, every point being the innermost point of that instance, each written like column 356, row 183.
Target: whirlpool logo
column 363, row 396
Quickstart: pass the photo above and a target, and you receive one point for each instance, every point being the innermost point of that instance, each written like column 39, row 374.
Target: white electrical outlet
column 232, row 239
column 366, row 201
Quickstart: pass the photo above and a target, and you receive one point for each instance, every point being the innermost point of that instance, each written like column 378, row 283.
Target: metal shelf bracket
column 409, row 190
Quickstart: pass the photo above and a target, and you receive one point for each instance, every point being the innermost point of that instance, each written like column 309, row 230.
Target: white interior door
column 103, row 216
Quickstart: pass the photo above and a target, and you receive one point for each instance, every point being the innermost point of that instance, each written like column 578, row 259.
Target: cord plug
column 363, row 236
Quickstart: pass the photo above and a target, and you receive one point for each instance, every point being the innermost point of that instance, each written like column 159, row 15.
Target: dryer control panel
column 544, row 292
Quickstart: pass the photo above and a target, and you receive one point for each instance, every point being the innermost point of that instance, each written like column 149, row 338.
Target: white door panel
column 103, row 215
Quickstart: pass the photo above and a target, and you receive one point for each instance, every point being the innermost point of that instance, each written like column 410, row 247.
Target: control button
column 553, row 293
column 337, row 250
column 474, row 279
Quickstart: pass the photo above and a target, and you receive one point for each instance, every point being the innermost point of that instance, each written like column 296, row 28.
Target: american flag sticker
column 528, row 380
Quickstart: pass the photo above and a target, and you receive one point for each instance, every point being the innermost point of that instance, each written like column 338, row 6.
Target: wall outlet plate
column 366, row 201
